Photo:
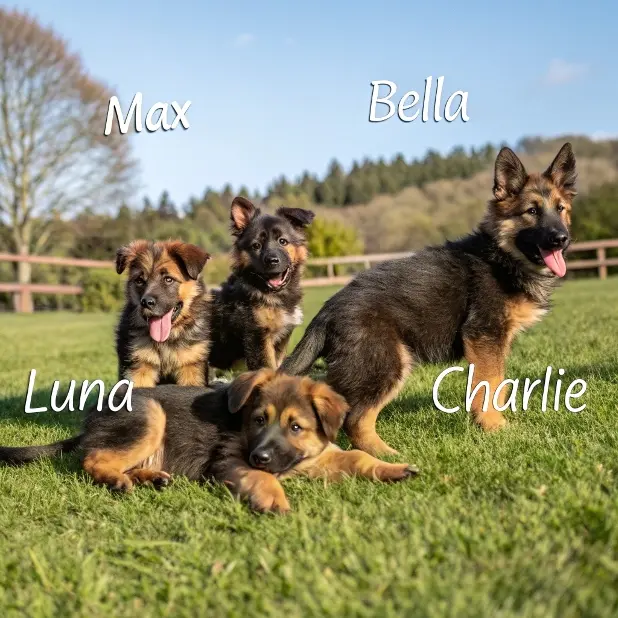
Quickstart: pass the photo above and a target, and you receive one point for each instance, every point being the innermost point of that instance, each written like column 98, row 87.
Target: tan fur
column 335, row 464
column 110, row 467
column 489, row 365
column 521, row 313
column 362, row 430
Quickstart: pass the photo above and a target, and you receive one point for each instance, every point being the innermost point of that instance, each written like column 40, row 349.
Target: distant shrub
column 332, row 238
column 103, row 291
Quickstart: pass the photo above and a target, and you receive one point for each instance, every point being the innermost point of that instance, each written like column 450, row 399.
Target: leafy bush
column 103, row 290
column 332, row 238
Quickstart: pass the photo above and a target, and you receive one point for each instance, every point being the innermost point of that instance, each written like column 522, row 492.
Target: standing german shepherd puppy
column 163, row 330
column 257, row 308
column 467, row 298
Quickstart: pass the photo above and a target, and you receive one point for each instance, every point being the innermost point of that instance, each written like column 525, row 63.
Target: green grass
column 523, row 522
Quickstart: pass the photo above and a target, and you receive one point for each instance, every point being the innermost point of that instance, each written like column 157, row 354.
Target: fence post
column 330, row 270
column 602, row 265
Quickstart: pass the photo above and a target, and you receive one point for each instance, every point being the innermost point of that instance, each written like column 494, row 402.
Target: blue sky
column 279, row 87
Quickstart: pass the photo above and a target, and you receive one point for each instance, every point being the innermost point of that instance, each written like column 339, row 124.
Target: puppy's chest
column 168, row 356
column 277, row 321
column 522, row 313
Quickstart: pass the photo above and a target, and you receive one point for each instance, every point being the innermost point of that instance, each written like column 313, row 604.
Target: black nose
column 148, row 302
column 271, row 260
column 558, row 238
column 259, row 458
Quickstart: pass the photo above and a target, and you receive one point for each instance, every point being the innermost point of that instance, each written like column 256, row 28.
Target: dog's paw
column 392, row 473
column 121, row 484
column 491, row 421
column 270, row 502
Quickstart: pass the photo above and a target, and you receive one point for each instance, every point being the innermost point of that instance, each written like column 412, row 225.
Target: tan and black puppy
column 249, row 434
column 467, row 298
column 163, row 330
column 257, row 308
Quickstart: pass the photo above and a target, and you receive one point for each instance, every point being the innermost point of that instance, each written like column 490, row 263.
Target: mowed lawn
column 523, row 522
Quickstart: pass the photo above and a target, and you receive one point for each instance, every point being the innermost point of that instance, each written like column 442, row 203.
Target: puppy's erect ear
column 125, row 255
column 509, row 176
column 562, row 170
column 192, row 257
column 329, row 406
column 241, row 213
column 244, row 386
column 298, row 217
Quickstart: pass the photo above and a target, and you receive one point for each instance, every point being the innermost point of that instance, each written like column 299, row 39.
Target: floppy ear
column 241, row 213
column 509, row 175
column 562, row 170
column 330, row 407
column 244, row 386
column 192, row 257
column 298, row 217
column 125, row 255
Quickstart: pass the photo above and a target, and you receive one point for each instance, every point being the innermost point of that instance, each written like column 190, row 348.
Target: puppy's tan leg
column 261, row 489
column 334, row 464
column 360, row 424
column 488, row 358
column 192, row 375
column 109, row 466
column 144, row 376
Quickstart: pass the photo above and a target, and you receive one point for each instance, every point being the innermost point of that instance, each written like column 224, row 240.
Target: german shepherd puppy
column 467, row 298
column 162, row 334
column 249, row 434
column 257, row 308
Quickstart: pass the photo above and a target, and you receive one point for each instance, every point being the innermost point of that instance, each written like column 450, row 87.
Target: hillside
column 443, row 209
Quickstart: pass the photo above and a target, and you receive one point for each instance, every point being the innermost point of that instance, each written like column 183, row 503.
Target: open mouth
column 161, row 326
column 554, row 260
column 279, row 281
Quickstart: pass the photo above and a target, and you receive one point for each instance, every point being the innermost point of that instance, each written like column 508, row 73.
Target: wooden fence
column 600, row 263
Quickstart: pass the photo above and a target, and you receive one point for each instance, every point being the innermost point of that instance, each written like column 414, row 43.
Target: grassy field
column 524, row 522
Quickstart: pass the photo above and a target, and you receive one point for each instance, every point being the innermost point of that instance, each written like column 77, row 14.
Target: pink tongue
column 275, row 282
column 160, row 327
column 554, row 261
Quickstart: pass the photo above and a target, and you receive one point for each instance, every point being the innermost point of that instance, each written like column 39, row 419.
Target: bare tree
column 53, row 154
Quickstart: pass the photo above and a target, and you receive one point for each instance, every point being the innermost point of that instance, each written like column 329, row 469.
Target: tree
column 53, row 154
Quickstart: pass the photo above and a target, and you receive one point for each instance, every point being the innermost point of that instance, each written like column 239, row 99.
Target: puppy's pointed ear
column 241, row 213
column 241, row 389
column 330, row 407
column 126, row 254
column 509, row 175
column 562, row 170
column 298, row 217
column 192, row 257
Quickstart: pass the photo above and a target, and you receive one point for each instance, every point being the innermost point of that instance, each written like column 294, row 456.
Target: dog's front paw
column 491, row 421
column 391, row 473
column 271, row 500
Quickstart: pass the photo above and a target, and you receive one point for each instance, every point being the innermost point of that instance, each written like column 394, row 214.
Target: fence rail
column 600, row 263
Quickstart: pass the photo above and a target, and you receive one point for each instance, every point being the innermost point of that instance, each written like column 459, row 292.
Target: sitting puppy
column 257, row 308
column 261, row 428
column 163, row 330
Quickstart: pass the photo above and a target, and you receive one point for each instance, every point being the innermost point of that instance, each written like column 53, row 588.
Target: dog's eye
column 168, row 279
column 256, row 246
column 283, row 242
column 295, row 427
column 532, row 211
column 259, row 420
column 139, row 281
column 560, row 208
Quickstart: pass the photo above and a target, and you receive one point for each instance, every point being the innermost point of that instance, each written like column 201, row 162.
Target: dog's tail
column 17, row 455
column 308, row 350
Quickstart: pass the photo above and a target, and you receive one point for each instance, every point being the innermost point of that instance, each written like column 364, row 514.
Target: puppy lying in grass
column 250, row 434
